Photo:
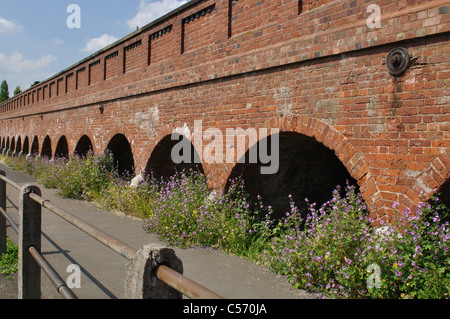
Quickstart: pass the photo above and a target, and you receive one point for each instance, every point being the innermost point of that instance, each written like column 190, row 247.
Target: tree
column 35, row 83
column 4, row 91
column 17, row 90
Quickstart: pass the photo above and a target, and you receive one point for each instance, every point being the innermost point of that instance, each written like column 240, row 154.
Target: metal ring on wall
column 398, row 61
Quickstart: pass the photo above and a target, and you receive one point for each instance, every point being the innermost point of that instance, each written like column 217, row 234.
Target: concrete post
column 2, row 218
column 29, row 275
column 141, row 281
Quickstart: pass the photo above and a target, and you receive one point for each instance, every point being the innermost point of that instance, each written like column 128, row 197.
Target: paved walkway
column 103, row 270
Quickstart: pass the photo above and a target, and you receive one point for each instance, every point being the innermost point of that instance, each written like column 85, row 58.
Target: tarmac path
column 103, row 270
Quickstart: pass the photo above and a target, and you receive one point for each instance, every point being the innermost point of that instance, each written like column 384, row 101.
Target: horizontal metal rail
column 167, row 275
column 184, row 285
column 12, row 223
column 56, row 280
column 118, row 246
column 10, row 182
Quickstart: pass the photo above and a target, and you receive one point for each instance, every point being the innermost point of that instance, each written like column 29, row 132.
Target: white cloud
column 17, row 63
column 16, row 69
column 150, row 11
column 7, row 26
column 96, row 44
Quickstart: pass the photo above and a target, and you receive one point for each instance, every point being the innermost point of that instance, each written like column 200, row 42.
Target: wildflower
column 418, row 250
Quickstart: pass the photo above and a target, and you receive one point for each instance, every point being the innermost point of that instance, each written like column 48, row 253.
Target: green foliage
column 335, row 252
column 81, row 178
column 332, row 251
column 4, row 91
column 9, row 260
column 17, row 90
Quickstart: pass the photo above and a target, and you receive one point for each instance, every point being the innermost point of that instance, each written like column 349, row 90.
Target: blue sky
column 36, row 43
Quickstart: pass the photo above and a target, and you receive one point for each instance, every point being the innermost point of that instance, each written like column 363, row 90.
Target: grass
column 335, row 251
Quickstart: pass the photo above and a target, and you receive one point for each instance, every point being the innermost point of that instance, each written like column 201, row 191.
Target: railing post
column 141, row 280
column 29, row 276
column 2, row 218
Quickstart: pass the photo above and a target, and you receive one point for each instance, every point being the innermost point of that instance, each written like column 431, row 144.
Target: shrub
column 335, row 249
column 137, row 201
column 337, row 252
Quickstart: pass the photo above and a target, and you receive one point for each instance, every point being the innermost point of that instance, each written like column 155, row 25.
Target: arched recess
column 26, row 146
column 46, row 150
column 305, row 168
column 34, row 149
column 5, row 150
column 83, row 147
column 3, row 142
column 62, row 148
column 12, row 147
column 122, row 154
column 444, row 191
column 18, row 146
column 163, row 164
column 309, row 145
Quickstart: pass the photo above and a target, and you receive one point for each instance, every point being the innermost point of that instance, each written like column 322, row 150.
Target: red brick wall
column 95, row 72
column 312, row 67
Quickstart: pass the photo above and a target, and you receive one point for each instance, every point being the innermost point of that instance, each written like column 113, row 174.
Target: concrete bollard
column 141, row 281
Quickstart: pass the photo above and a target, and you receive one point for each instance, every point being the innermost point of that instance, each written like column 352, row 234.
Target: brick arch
column 18, row 147
column 167, row 130
column 336, row 141
column 12, row 145
column 62, row 148
column 77, row 140
column 129, row 139
column 47, row 147
column 7, row 144
column 26, row 145
column 430, row 179
column 117, row 128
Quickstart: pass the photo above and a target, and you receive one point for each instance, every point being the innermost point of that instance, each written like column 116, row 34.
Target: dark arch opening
column 444, row 197
column 161, row 164
column 18, row 146
column 83, row 147
column 307, row 169
column 120, row 149
column 34, row 147
column 26, row 146
column 47, row 148
column 62, row 148
column 7, row 144
column 12, row 147
column 3, row 142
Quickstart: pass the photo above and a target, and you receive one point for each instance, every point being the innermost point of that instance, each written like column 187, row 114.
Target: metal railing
column 31, row 260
